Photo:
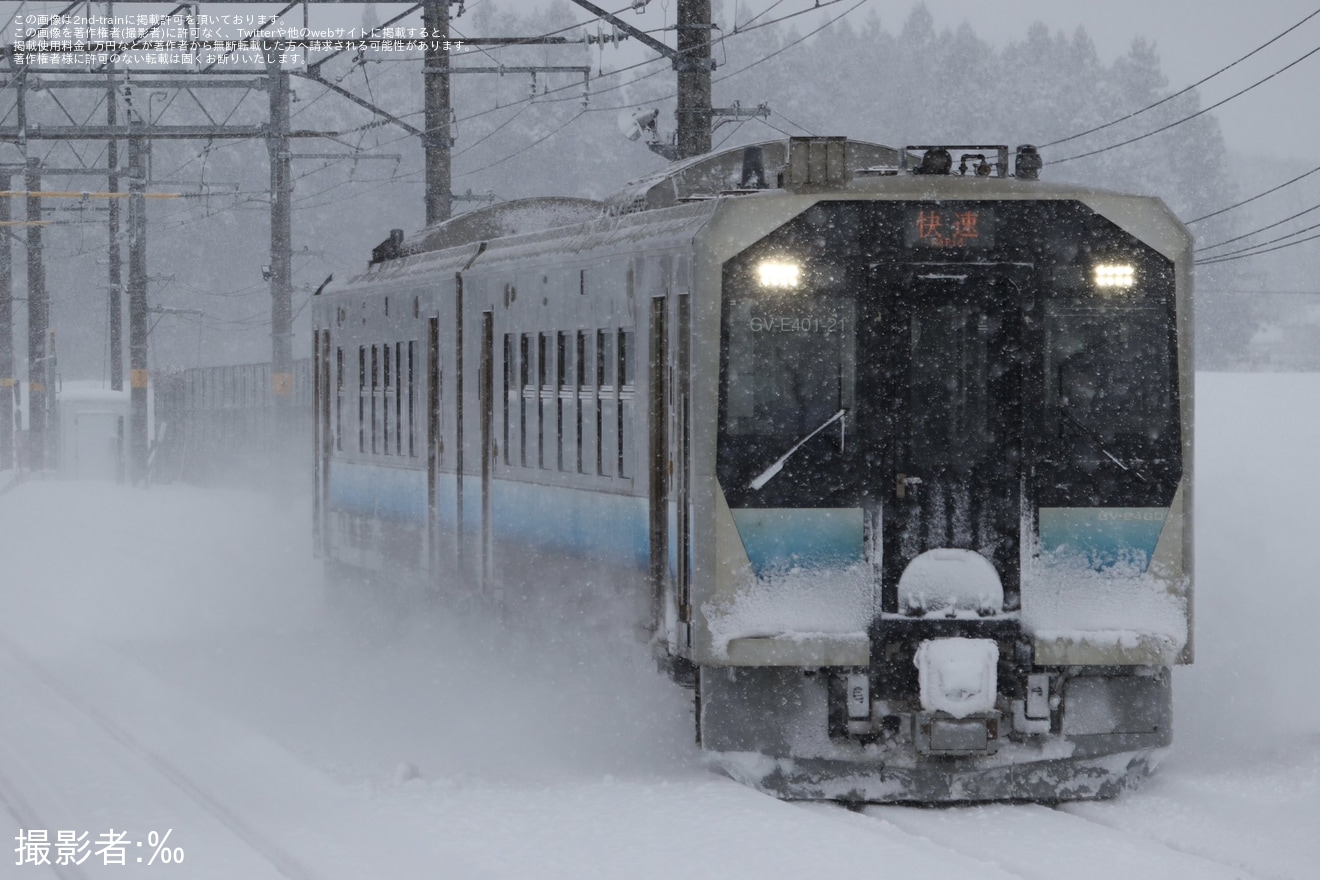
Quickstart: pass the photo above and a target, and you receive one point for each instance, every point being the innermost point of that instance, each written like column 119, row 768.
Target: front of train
column 948, row 554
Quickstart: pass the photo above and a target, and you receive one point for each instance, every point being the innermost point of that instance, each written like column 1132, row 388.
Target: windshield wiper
column 1100, row 444
column 769, row 473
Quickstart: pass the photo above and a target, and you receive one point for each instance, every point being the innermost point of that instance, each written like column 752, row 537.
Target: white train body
column 894, row 468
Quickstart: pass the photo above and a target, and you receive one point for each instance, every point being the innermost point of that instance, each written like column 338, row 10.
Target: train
column 887, row 453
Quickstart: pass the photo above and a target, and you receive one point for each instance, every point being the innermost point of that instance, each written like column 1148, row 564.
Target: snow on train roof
column 714, row 174
column 706, row 175
column 507, row 218
column 599, row 233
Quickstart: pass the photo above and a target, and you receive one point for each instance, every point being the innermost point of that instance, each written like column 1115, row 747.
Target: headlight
column 779, row 274
column 1114, row 275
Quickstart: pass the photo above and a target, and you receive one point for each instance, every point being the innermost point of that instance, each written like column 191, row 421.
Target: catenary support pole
column 281, row 233
column 435, row 139
column 137, row 304
column 694, row 67
column 38, row 320
column 7, row 379
column 116, row 277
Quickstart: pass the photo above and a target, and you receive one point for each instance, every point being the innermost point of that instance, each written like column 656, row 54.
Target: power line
column 795, row 124
column 1208, row 247
column 544, row 99
column 1248, row 251
column 1073, row 137
column 1253, row 198
column 534, row 143
column 1257, row 253
column 1191, row 116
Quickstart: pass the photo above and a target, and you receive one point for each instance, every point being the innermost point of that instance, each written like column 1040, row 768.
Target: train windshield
column 965, row 363
column 792, row 364
column 1108, row 375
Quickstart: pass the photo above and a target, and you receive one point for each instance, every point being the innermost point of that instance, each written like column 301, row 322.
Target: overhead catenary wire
column 1253, row 198
column 547, row 96
column 1181, row 92
column 734, row 73
column 1255, row 247
column 1258, row 230
column 1229, row 259
column 1191, row 116
column 314, row 200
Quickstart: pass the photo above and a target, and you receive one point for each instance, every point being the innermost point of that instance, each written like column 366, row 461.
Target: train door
column 680, row 421
column 954, row 376
column 671, row 463
column 485, row 394
column 433, row 447
column 659, row 467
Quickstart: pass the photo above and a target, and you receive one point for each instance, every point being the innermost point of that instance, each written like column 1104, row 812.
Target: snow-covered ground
column 166, row 663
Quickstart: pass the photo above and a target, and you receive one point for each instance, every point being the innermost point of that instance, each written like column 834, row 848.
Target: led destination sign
column 951, row 227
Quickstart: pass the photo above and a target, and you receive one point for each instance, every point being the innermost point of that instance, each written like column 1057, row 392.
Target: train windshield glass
column 1048, row 349
column 1109, row 382
column 792, row 365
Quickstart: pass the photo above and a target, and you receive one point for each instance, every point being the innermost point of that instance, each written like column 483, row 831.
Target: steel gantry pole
column 694, row 66
column 436, row 137
column 7, row 383
column 38, row 320
column 281, row 233
column 116, row 279
column 137, row 300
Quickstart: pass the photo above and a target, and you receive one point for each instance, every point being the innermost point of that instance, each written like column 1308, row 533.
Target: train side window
column 508, row 391
column 580, row 398
column 398, row 398
column 548, row 392
column 627, row 391
column 526, row 392
column 387, row 395
column 339, row 399
column 362, row 398
column 412, row 399
column 439, row 411
column 375, row 399
column 607, row 404
column 564, row 406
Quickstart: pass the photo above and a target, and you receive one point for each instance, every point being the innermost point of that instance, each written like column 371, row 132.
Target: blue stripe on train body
column 387, row 493
column 607, row 527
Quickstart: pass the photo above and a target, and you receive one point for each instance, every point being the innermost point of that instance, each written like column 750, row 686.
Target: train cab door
column 671, row 466
column 485, row 396
column 954, row 389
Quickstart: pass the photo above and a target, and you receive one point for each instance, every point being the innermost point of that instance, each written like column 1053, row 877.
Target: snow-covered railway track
column 16, row 812
column 1079, row 811
column 62, row 748
column 1036, row 842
